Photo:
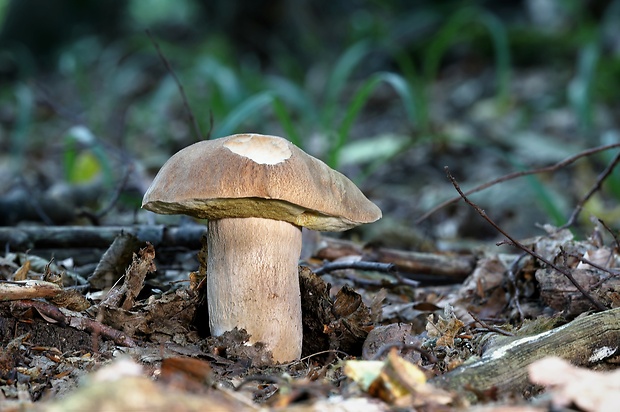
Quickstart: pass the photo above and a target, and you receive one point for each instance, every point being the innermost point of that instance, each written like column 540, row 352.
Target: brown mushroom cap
column 252, row 175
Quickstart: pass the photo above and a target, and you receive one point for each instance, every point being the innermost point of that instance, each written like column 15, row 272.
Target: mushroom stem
column 253, row 282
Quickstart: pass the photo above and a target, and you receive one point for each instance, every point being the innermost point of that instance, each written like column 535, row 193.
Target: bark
column 42, row 237
column 585, row 341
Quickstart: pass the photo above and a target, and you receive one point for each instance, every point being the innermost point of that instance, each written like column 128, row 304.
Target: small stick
column 512, row 270
column 323, row 352
column 76, row 321
column 519, row 245
column 361, row 265
column 595, row 265
column 515, row 175
column 190, row 114
column 597, row 185
column 34, row 203
column 611, row 232
column 489, row 327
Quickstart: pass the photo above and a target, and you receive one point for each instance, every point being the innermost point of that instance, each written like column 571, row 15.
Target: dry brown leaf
column 22, row 272
column 445, row 328
column 601, row 257
column 396, row 381
column 591, row 391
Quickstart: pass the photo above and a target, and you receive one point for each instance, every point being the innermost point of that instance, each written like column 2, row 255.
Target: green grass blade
column 340, row 75
column 286, row 121
column 361, row 97
column 498, row 34
column 416, row 83
column 452, row 32
column 246, row 110
column 580, row 89
column 441, row 41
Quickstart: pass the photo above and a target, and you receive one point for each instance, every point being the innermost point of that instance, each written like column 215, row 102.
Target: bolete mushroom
column 257, row 192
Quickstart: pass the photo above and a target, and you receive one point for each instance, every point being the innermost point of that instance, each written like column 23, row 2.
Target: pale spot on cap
column 265, row 150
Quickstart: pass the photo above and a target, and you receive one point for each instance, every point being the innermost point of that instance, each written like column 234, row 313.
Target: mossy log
column 586, row 341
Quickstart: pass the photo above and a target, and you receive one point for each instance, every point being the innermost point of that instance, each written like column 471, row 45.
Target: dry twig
column 489, row 327
column 521, row 246
column 403, row 346
column 597, row 185
column 515, row 175
column 96, row 217
column 611, row 232
column 359, row 264
column 75, row 320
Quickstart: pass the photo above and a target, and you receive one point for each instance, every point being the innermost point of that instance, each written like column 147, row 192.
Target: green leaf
column 361, row 97
column 249, row 108
column 340, row 75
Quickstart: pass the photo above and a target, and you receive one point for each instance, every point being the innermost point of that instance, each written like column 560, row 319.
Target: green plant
column 298, row 109
column 452, row 32
column 84, row 157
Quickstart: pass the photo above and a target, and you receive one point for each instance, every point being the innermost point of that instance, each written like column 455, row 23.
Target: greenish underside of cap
column 252, row 207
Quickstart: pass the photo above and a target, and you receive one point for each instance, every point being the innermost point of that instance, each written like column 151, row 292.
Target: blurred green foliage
column 315, row 72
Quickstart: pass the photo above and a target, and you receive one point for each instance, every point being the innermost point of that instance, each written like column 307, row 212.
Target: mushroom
column 257, row 192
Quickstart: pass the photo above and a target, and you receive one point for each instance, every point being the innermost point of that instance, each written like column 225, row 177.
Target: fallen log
column 42, row 237
column 586, row 341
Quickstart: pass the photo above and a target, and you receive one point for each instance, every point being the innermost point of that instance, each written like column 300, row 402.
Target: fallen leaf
column 591, row 391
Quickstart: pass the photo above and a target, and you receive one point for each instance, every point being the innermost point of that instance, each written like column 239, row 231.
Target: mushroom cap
column 253, row 175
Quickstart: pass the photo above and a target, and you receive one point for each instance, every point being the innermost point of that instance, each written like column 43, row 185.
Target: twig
column 512, row 270
column 359, row 264
column 75, row 320
column 489, row 327
column 593, row 264
column 190, row 113
column 515, row 175
column 519, row 245
column 28, row 289
column 611, row 232
column 364, row 265
column 597, row 185
column 611, row 272
column 261, row 378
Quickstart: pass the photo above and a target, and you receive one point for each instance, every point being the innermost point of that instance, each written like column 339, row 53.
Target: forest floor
column 109, row 302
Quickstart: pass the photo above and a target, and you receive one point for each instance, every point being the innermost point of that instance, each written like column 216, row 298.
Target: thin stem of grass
column 190, row 114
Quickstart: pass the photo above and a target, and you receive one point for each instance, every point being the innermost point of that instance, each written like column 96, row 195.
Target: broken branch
column 515, row 175
column 521, row 246
column 75, row 320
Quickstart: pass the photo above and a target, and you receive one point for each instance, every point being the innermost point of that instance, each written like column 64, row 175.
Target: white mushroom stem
column 253, row 282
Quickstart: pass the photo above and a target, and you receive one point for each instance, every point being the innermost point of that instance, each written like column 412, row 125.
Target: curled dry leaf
column 112, row 264
column 396, row 381
column 591, row 391
column 22, row 272
column 445, row 328
column 601, row 257
column 482, row 292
